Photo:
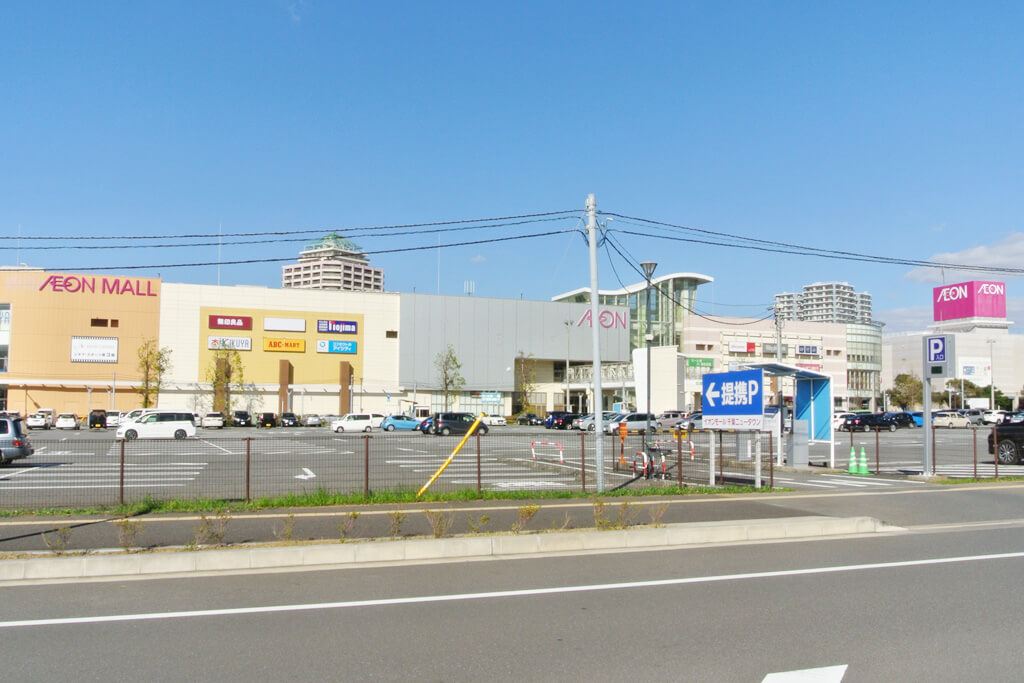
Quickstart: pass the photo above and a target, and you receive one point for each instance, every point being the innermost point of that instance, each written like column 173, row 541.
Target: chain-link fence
column 87, row 471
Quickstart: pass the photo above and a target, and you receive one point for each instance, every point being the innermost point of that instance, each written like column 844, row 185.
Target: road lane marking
column 821, row 674
column 526, row 592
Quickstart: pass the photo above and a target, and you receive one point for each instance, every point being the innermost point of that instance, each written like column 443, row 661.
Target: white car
column 950, row 420
column 161, row 424
column 37, row 421
column 991, row 417
column 838, row 420
column 494, row 420
column 113, row 418
column 355, row 422
column 67, row 421
column 213, row 420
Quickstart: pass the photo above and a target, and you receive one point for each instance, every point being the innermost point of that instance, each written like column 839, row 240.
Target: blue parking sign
column 733, row 400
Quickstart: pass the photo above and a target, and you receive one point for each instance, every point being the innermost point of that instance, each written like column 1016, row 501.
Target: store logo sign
column 336, row 326
column 288, row 345
column 121, row 286
column 230, row 322
column 606, row 319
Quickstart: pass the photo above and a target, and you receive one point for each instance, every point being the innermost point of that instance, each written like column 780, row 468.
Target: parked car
column 213, row 420
column 950, row 420
column 855, row 422
column 289, row 420
column 14, row 441
column 694, row 420
column 312, row 420
column 427, row 425
column 495, row 421
column 353, row 422
column 267, row 420
column 113, row 418
column 991, row 417
column 563, row 421
column 578, row 421
column 241, row 418
column 161, row 424
column 975, row 415
column 550, row 419
column 587, row 423
column 669, row 418
column 918, row 418
column 612, row 425
column 892, row 421
column 838, row 419
column 636, row 422
column 67, row 421
column 530, row 419
column 393, row 422
column 456, row 423
column 97, row 419
column 36, row 421
column 1011, row 443
column 135, row 414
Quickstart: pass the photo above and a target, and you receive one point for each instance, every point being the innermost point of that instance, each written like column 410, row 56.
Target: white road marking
column 216, row 446
column 526, row 592
column 306, row 474
column 824, row 674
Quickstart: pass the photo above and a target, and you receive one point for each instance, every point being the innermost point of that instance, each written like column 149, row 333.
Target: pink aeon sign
column 969, row 300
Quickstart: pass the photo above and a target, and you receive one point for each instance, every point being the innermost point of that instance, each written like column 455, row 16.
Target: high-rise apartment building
column 825, row 302
column 333, row 262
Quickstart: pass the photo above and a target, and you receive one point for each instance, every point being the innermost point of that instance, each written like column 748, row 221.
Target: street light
column 991, row 375
column 648, row 267
column 568, row 328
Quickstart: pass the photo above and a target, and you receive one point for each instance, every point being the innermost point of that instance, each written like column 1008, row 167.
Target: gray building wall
column 488, row 335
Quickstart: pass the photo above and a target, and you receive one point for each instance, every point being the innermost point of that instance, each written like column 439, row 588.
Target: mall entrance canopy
column 812, row 400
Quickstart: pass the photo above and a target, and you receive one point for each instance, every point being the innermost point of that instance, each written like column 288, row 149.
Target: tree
column 154, row 363
column 526, row 384
column 905, row 392
column 448, row 366
column 226, row 374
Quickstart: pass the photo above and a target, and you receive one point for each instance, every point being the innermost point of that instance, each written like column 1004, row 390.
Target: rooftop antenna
column 469, row 287
column 220, row 225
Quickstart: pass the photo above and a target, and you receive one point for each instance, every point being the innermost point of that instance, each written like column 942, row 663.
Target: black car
column 456, row 423
column 530, row 419
column 855, row 422
column 268, row 420
column 549, row 421
column 241, row 418
column 563, row 421
column 889, row 421
column 289, row 420
column 97, row 419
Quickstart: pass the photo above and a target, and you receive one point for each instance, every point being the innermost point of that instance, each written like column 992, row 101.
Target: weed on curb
column 345, row 525
column 127, row 530
column 523, row 515
column 396, row 518
column 440, row 522
column 58, row 543
column 477, row 524
column 284, row 531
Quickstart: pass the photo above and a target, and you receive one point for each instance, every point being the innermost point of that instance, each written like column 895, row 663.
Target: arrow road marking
column 712, row 394
column 308, row 474
column 825, row 674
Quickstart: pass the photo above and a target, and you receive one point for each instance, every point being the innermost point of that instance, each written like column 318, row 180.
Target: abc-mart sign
column 974, row 299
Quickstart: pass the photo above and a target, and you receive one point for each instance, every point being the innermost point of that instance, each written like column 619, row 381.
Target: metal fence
column 101, row 471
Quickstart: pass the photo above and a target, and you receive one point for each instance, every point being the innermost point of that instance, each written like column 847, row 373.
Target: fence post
column 974, row 430
column 757, row 462
column 248, row 467
column 679, row 458
column 478, row 473
column 771, row 464
column 935, row 456
column 366, row 466
column 721, row 459
column 876, row 450
column 995, row 448
column 583, row 461
column 120, row 497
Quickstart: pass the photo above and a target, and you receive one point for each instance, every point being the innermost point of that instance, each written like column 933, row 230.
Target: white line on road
column 822, row 674
column 526, row 592
column 216, row 446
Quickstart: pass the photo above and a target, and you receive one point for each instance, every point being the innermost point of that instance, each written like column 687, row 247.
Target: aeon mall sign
column 93, row 284
column 606, row 319
column 969, row 300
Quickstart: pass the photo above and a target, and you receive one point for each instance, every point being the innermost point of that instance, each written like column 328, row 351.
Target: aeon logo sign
column 969, row 300
column 606, row 319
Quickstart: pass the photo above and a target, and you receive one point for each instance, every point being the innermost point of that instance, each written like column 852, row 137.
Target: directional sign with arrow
column 734, row 400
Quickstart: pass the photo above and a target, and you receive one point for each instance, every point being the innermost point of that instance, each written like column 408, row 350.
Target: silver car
column 14, row 441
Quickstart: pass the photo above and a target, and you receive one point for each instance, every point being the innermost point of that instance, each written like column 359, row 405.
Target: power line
column 321, row 231
column 430, row 247
column 798, row 249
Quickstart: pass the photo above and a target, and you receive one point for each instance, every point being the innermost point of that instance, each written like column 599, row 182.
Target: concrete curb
column 420, row 549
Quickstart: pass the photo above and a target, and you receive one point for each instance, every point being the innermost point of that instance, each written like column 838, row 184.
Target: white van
column 355, row 422
column 158, row 424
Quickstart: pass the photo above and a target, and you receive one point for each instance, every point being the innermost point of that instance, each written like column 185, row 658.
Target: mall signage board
column 230, row 322
column 94, row 349
column 236, row 343
column 335, row 346
column 734, row 400
column 974, row 299
column 287, row 345
column 336, row 326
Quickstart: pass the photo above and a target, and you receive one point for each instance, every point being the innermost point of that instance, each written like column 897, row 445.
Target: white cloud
column 479, row 258
column 1007, row 253
column 293, row 7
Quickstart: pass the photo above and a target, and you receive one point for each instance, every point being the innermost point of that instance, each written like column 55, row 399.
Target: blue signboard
column 733, row 400
column 336, row 326
column 332, row 346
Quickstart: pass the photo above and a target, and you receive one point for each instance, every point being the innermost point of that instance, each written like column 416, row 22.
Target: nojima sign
column 969, row 300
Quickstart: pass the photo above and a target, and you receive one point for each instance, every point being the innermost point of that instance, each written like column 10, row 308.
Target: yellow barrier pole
column 452, row 456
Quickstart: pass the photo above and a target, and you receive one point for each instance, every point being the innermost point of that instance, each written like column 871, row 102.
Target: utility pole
column 778, row 379
column 568, row 327
column 648, row 267
column 595, row 335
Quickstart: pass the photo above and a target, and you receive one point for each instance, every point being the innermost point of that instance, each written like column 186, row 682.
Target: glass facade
column 863, row 363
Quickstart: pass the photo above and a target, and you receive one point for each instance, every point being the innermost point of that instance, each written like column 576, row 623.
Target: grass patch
column 325, row 498
column 947, row 481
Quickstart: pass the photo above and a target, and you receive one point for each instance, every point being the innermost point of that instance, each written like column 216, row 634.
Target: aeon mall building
column 975, row 313
column 70, row 342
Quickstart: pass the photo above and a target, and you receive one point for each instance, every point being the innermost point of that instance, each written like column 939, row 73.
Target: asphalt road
column 929, row 604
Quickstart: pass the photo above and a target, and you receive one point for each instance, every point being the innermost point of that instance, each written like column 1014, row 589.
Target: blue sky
column 885, row 128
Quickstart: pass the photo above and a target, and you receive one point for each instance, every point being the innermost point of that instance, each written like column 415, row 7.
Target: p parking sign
column 939, row 356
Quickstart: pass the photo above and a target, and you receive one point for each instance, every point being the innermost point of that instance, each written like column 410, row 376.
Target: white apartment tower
column 825, row 302
column 333, row 262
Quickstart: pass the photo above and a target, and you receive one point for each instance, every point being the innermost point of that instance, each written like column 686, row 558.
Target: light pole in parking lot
column 991, row 374
column 648, row 267
column 568, row 328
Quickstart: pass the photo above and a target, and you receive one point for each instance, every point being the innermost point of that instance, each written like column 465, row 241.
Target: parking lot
column 85, row 468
